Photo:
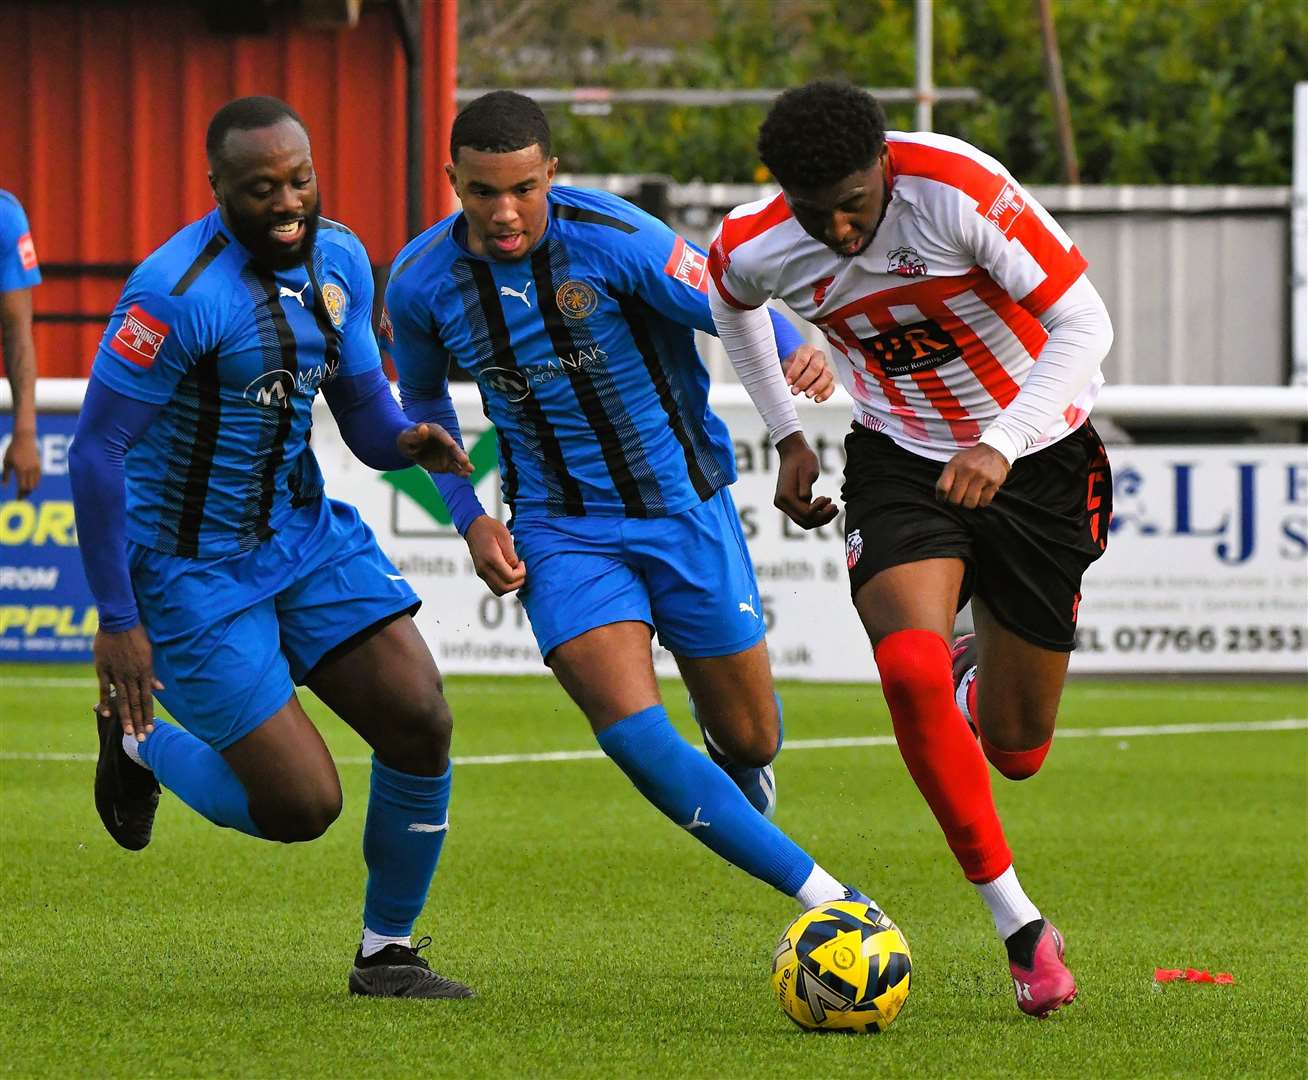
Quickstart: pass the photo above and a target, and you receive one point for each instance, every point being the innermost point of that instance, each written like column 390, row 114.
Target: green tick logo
column 417, row 485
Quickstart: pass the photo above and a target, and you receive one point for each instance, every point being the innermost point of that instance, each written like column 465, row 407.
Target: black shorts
column 1024, row 554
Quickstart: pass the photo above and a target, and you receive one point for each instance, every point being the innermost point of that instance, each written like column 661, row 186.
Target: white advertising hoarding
column 1206, row 568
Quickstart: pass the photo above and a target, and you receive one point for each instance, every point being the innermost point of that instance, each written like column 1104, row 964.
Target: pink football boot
column 1046, row 985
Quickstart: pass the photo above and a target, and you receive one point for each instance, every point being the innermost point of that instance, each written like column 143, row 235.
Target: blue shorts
column 234, row 634
column 689, row 576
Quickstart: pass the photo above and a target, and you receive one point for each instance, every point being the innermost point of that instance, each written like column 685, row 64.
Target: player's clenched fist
column 491, row 546
column 434, row 448
column 795, row 477
column 972, row 476
column 807, row 373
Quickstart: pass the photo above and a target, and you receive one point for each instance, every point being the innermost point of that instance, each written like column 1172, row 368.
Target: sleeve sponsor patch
column 1006, row 208
column 386, row 328
column 687, row 265
column 140, row 337
column 27, row 251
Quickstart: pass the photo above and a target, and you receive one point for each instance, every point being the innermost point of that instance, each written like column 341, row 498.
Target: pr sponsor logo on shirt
column 687, row 265
column 140, row 337
column 1006, row 208
column 27, row 251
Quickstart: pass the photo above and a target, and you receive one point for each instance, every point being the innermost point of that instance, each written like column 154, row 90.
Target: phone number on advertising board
column 1205, row 639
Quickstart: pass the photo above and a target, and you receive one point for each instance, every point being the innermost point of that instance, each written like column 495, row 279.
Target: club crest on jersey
column 576, row 299
column 333, row 298
column 906, row 262
column 853, row 548
column 140, row 337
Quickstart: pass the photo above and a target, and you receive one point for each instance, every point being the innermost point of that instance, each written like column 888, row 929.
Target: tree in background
column 1162, row 91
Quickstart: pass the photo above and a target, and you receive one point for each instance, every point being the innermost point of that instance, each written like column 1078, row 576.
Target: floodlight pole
column 922, row 75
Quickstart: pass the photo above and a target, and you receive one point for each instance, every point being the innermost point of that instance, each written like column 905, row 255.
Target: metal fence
column 1197, row 279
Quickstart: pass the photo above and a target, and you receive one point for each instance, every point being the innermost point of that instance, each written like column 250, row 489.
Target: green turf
column 605, row 942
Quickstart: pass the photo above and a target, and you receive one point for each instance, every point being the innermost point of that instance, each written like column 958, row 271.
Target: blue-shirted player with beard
column 224, row 576
column 575, row 312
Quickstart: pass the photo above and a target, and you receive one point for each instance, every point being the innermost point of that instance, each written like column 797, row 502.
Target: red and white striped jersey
column 935, row 325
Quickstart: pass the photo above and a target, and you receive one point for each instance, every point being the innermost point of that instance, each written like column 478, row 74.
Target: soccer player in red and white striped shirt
column 963, row 325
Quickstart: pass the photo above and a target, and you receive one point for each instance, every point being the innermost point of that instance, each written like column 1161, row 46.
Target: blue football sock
column 408, row 817
column 197, row 774
column 701, row 798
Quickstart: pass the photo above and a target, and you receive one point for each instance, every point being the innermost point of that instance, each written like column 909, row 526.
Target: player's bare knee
column 748, row 740
column 304, row 816
column 419, row 740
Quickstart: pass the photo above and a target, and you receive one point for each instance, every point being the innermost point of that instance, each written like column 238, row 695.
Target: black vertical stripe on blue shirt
column 509, row 472
column 208, row 253
column 705, row 473
column 200, row 387
column 565, row 493
column 619, row 441
column 253, row 527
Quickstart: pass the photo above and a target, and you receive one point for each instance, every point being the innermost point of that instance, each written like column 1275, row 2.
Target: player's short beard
column 255, row 239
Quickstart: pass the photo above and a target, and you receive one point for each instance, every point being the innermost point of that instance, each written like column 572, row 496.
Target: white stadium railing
column 1201, row 404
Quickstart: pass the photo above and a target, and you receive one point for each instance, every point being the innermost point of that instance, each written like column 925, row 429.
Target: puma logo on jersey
column 507, row 291
column 287, row 291
column 748, row 608
column 695, row 823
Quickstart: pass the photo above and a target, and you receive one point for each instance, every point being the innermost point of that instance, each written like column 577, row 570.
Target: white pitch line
column 1232, row 727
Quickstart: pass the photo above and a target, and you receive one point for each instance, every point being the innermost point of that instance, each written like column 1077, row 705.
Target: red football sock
column 941, row 755
column 1017, row 764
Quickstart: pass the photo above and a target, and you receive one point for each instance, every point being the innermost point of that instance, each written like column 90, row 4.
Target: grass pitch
column 603, row 941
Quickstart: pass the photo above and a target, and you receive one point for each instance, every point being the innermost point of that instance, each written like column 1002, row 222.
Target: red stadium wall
column 102, row 135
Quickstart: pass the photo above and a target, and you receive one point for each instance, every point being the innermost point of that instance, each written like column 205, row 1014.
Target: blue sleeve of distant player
column 671, row 275
column 368, row 418
column 358, row 342
column 153, row 338
column 107, row 427
column 422, row 364
column 18, row 269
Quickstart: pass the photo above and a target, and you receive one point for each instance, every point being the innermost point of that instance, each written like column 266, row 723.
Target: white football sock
column 1008, row 904
column 373, row 943
column 133, row 749
column 818, row 888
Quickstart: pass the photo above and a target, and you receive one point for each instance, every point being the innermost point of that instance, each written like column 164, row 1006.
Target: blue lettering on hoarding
column 46, row 608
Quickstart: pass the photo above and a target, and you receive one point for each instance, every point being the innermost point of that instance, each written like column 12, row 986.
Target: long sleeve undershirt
column 1080, row 334
column 111, row 423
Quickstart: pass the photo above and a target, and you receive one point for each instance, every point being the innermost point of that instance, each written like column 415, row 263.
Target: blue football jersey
column 584, row 352
column 234, row 353
column 18, row 267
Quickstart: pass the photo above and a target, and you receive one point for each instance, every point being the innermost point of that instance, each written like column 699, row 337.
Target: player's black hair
column 246, row 114
column 499, row 123
column 819, row 133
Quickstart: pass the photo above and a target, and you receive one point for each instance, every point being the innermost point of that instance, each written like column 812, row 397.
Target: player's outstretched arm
column 746, row 334
column 22, row 459
column 109, row 424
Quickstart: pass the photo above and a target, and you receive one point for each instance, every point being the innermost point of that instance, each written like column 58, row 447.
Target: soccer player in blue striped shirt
column 19, row 273
column 575, row 312
column 224, row 576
